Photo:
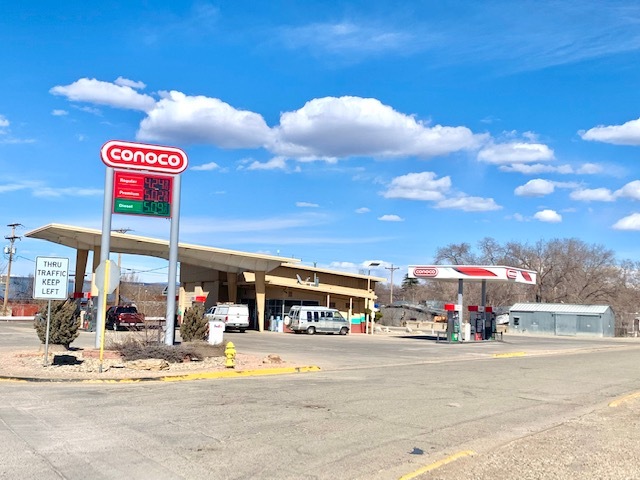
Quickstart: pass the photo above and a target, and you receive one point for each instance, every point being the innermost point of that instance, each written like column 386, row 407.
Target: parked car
column 235, row 316
column 310, row 319
column 124, row 316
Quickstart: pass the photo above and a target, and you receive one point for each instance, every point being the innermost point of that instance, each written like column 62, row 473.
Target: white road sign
column 114, row 276
column 51, row 280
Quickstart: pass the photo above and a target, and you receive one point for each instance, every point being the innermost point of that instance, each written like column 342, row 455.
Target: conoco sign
column 425, row 272
column 140, row 156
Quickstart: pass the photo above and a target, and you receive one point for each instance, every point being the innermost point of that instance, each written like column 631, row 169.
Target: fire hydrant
column 230, row 353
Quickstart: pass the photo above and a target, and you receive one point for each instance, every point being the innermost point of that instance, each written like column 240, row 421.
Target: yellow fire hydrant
column 230, row 353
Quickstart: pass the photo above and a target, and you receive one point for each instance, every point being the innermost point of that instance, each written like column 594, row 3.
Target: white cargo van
column 235, row 316
column 302, row 318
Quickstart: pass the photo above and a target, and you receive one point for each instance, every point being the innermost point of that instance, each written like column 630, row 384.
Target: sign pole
column 170, row 323
column 103, row 297
column 105, row 245
column 46, row 343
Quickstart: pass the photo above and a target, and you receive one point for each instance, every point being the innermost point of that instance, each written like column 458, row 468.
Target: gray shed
column 562, row 319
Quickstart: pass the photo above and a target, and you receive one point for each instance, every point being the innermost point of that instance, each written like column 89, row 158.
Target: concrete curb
column 171, row 378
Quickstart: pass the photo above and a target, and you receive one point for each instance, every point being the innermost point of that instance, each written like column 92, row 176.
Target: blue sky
column 333, row 132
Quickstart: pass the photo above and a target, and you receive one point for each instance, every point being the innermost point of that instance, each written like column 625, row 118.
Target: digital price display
column 137, row 193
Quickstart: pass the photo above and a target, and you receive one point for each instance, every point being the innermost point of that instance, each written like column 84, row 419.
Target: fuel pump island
column 482, row 319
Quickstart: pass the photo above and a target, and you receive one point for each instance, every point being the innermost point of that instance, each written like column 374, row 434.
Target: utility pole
column 392, row 268
column 12, row 238
column 120, row 230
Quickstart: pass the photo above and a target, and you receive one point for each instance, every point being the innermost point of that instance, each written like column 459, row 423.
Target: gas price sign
column 137, row 193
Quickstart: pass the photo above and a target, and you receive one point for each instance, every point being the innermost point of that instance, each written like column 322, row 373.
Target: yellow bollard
column 230, row 353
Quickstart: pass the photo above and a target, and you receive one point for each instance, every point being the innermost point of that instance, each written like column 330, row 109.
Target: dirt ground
column 83, row 364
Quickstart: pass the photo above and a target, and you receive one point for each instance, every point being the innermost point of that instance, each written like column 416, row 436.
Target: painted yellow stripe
column 175, row 378
column 509, row 355
column 12, row 379
column 438, row 464
column 239, row 373
column 619, row 401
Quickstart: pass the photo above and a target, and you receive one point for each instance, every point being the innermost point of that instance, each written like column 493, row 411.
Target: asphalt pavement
column 383, row 407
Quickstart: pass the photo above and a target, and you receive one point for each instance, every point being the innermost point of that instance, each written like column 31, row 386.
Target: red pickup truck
column 124, row 316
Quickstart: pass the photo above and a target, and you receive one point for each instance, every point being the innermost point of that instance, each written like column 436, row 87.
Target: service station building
column 269, row 284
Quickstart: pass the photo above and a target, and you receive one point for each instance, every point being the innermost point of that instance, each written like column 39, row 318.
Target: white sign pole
column 105, row 245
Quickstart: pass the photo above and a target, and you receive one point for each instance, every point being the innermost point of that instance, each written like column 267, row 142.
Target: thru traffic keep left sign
column 51, row 280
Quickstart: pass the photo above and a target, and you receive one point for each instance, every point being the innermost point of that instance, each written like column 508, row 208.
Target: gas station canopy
column 489, row 273
column 216, row 258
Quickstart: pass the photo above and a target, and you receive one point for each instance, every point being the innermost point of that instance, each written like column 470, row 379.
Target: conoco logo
column 512, row 274
column 425, row 272
column 139, row 156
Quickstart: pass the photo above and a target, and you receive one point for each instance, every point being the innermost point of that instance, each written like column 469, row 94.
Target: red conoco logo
column 512, row 274
column 425, row 272
column 139, row 156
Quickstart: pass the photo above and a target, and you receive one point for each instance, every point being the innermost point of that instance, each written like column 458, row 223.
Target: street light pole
column 371, row 315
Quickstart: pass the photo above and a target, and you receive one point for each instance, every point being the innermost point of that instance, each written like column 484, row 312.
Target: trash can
column 216, row 332
column 466, row 332
column 279, row 325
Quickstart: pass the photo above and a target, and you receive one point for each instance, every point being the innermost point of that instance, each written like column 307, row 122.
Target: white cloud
column 13, row 187
column 207, row 225
column 626, row 134
column 535, row 188
column 362, row 210
column 347, row 37
column 630, row 190
column 276, row 163
column 343, row 266
column 391, row 218
column 4, row 123
column 518, row 217
column 105, row 93
column 469, row 204
column 589, row 169
column 536, row 168
column 186, row 119
column 593, row 195
column 51, row 192
column 418, row 186
column 59, row 113
column 125, row 82
column 550, row 216
column 631, row 222
column 206, row 167
column 515, row 152
column 333, row 127
column 307, row 205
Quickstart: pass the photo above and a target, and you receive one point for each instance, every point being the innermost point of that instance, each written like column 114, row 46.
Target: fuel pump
column 476, row 319
column 454, row 317
column 489, row 323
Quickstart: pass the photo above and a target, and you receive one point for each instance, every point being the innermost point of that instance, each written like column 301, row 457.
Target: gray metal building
column 562, row 319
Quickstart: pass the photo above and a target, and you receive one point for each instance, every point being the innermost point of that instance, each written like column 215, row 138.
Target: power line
column 392, row 268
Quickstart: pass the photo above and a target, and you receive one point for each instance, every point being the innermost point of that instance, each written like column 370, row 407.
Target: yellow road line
column 174, row 378
column 239, row 373
column 619, row 401
column 509, row 355
column 438, row 464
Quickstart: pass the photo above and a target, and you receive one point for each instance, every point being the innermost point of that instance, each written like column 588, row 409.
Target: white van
column 235, row 316
column 302, row 318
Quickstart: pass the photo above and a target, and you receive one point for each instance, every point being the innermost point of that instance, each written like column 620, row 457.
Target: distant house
column 562, row 319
